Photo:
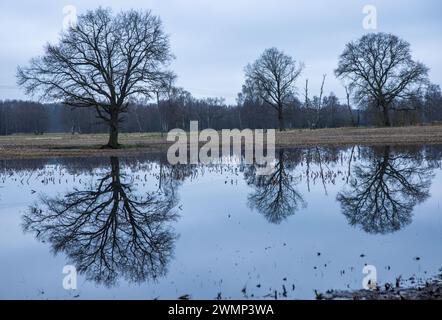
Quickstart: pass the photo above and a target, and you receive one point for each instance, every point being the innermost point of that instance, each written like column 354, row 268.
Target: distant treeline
column 178, row 109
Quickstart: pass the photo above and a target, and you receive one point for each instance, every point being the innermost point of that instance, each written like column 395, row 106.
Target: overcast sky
column 214, row 39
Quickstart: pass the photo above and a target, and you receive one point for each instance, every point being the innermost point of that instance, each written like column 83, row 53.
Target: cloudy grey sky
column 214, row 39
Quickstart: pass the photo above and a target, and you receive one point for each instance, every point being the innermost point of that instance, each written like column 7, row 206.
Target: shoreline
column 89, row 145
column 426, row 290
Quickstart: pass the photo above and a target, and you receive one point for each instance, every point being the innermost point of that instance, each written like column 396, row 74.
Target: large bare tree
column 272, row 78
column 379, row 67
column 103, row 62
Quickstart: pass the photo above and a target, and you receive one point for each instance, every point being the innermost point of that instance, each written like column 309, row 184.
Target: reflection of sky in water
column 223, row 245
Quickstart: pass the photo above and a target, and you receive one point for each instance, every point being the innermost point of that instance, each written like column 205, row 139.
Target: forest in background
column 179, row 107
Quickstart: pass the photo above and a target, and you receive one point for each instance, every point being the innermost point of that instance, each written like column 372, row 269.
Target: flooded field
column 139, row 228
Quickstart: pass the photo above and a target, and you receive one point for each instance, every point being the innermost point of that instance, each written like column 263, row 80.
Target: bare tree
column 379, row 67
column 319, row 106
column 350, row 112
column 164, row 88
column 102, row 63
column 273, row 78
column 307, row 100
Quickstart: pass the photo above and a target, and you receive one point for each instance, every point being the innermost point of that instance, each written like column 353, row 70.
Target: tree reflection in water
column 275, row 195
column 109, row 231
column 384, row 192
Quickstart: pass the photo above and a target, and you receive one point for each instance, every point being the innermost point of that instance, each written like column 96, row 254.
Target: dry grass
column 362, row 136
column 49, row 145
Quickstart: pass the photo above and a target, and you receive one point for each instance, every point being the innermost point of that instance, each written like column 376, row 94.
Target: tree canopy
column 102, row 63
column 379, row 67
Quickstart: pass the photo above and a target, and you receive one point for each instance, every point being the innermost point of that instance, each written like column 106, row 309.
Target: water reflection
column 383, row 192
column 109, row 230
column 275, row 196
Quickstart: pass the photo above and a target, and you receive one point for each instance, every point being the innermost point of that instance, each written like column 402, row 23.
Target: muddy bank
column 430, row 290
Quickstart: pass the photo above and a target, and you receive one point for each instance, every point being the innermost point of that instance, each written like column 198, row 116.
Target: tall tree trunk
column 113, row 130
column 347, row 92
column 160, row 114
column 387, row 122
column 239, row 118
column 281, row 120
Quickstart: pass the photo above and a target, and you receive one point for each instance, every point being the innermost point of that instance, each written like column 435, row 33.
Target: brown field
column 52, row 145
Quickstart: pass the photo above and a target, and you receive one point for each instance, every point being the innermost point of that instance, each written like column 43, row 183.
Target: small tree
column 272, row 78
column 379, row 67
column 101, row 63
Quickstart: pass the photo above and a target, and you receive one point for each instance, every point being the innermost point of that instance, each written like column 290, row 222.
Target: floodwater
column 139, row 228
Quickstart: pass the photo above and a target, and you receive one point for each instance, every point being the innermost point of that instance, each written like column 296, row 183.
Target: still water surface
column 138, row 228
